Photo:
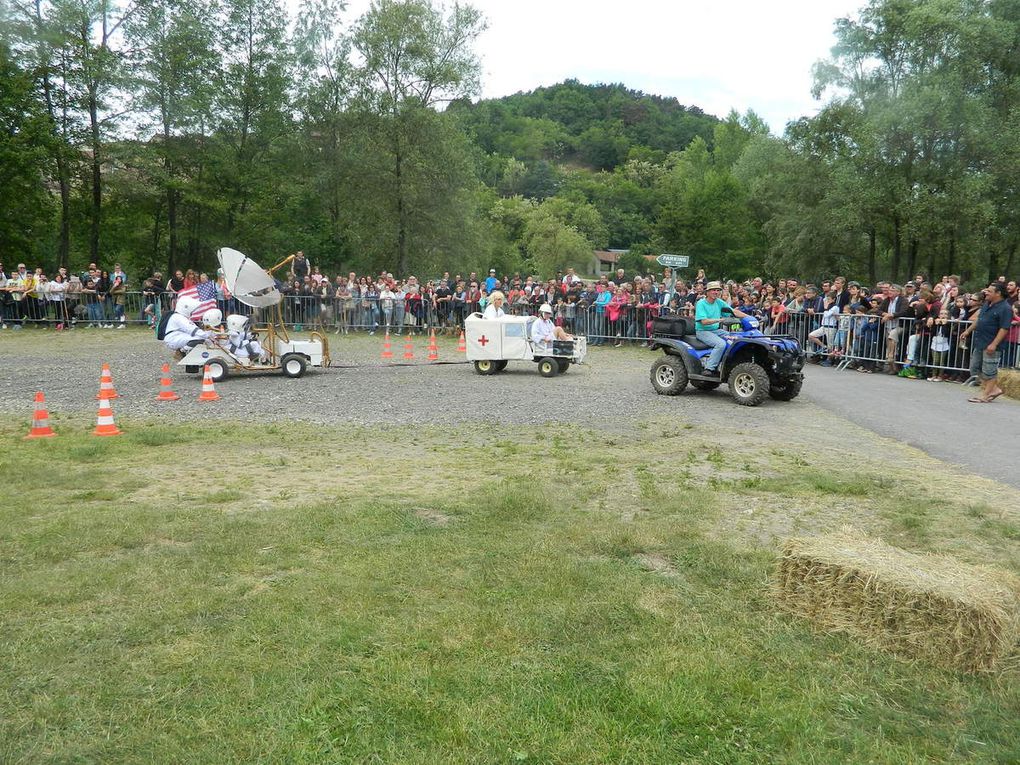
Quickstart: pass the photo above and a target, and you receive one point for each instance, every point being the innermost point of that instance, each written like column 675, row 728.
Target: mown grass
column 219, row 594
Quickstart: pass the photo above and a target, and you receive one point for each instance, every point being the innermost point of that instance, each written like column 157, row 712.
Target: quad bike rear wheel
column 668, row 375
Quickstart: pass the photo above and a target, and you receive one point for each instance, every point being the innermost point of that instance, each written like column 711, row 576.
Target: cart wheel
column 217, row 370
column 293, row 364
column 486, row 367
column 564, row 365
column 548, row 367
column 500, row 365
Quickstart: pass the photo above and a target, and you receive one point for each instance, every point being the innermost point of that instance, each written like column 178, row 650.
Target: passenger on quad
column 708, row 315
column 180, row 332
column 543, row 331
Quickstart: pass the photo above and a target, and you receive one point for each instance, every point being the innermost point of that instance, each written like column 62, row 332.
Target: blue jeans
column 713, row 337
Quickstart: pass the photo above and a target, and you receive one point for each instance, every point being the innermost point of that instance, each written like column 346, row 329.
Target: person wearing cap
column 544, row 331
column 708, row 315
column 494, row 310
column 490, row 281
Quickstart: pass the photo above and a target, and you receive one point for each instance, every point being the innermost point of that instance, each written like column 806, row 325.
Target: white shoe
column 3, row 326
column 120, row 326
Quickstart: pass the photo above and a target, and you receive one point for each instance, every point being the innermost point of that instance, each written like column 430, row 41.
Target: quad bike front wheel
column 668, row 375
column 787, row 390
column 749, row 384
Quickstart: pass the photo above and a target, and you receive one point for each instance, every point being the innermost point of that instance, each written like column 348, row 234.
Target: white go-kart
column 491, row 343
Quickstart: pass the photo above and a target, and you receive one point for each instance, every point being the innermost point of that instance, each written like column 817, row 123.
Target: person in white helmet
column 544, row 331
column 179, row 332
column 242, row 341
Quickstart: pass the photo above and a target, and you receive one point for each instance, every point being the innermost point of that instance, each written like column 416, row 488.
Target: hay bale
column 927, row 607
column 1009, row 381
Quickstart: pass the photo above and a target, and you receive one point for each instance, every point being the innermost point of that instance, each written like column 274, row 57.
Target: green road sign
column 673, row 261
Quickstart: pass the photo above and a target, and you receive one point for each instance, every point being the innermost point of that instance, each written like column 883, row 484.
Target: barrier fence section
column 930, row 347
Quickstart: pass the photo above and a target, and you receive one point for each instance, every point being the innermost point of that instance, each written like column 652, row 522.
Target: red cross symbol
column 483, row 340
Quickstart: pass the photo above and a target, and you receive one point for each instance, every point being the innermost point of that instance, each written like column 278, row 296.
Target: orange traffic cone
column 165, row 392
column 208, row 391
column 387, row 353
column 104, row 422
column 106, row 391
column 41, row 419
column 433, row 348
column 408, row 349
column 461, row 344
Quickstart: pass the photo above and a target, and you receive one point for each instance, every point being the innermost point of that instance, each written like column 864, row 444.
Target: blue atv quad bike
column 754, row 366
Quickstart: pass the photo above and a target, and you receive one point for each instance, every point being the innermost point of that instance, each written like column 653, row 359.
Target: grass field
column 424, row 595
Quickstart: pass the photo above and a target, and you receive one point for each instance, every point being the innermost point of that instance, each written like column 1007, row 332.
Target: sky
column 721, row 55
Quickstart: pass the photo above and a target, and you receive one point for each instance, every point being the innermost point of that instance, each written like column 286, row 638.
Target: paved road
column 934, row 417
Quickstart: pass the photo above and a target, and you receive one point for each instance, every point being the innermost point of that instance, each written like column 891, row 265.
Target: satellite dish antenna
column 246, row 280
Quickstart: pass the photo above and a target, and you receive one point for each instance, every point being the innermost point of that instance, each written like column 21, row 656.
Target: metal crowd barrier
column 857, row 341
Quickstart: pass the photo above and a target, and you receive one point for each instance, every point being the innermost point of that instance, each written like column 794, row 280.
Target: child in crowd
column 823, row 337
column 940, row 346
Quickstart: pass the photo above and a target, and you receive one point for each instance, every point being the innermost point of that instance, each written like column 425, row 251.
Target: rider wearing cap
column 544, row 331
column 708, row 315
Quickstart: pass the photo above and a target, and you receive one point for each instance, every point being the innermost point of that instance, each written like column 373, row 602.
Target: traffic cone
column 461, row 344
column 104, row 422
column 165, row 392
column 387, row 353
column 106, row 391
column 408, row 349
column 208, row 391
column 433, row 348
column 41, row 419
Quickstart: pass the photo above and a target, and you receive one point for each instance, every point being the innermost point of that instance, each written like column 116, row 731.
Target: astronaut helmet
column 237, row 322
column 546, row 308
column 212, row 318
column 186, row 306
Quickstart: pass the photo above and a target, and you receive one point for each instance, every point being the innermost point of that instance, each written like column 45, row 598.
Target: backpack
column 161, row 327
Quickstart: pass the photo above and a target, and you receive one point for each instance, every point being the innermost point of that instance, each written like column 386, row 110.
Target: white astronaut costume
column 242, row 342
column 181, row 331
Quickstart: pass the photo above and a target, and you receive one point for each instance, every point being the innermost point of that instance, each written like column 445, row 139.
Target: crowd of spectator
column 830, row 317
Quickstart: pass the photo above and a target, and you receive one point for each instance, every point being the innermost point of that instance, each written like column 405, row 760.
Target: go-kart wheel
column 564, row 365
column 786, row 390
column 669, row 376
column 485, row 367
column 294, row 365
column 500, row 365
column 547, row 367
column 218, row 370
column 749, row 384
column 705, row 384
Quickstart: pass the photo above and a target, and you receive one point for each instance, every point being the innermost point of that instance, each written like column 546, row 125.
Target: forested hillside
column 154, row 133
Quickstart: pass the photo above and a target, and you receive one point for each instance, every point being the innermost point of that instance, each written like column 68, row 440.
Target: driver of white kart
column 708, row 313
column 544, row 331
column 242, row 341
column 181, row 332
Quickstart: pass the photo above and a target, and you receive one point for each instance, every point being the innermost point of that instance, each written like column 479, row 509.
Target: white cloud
column 731, row 54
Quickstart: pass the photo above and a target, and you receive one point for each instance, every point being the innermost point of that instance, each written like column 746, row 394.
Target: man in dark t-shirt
column 990, row 328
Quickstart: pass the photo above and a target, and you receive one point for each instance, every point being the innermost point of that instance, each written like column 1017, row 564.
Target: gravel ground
column 611, row 391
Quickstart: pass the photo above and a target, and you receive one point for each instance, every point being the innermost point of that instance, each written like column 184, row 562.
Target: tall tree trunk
column 1011, row 254
column 951, row 268
column 872, row 252
column 402, row 264
column 912, row 257
column 897, row 248
column 63, row 176
column 97, row 183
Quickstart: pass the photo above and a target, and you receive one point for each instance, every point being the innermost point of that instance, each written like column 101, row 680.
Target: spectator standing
column 990, row 329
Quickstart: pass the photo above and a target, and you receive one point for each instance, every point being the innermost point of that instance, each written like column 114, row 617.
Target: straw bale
column 1009, row 381
column 924, row 607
